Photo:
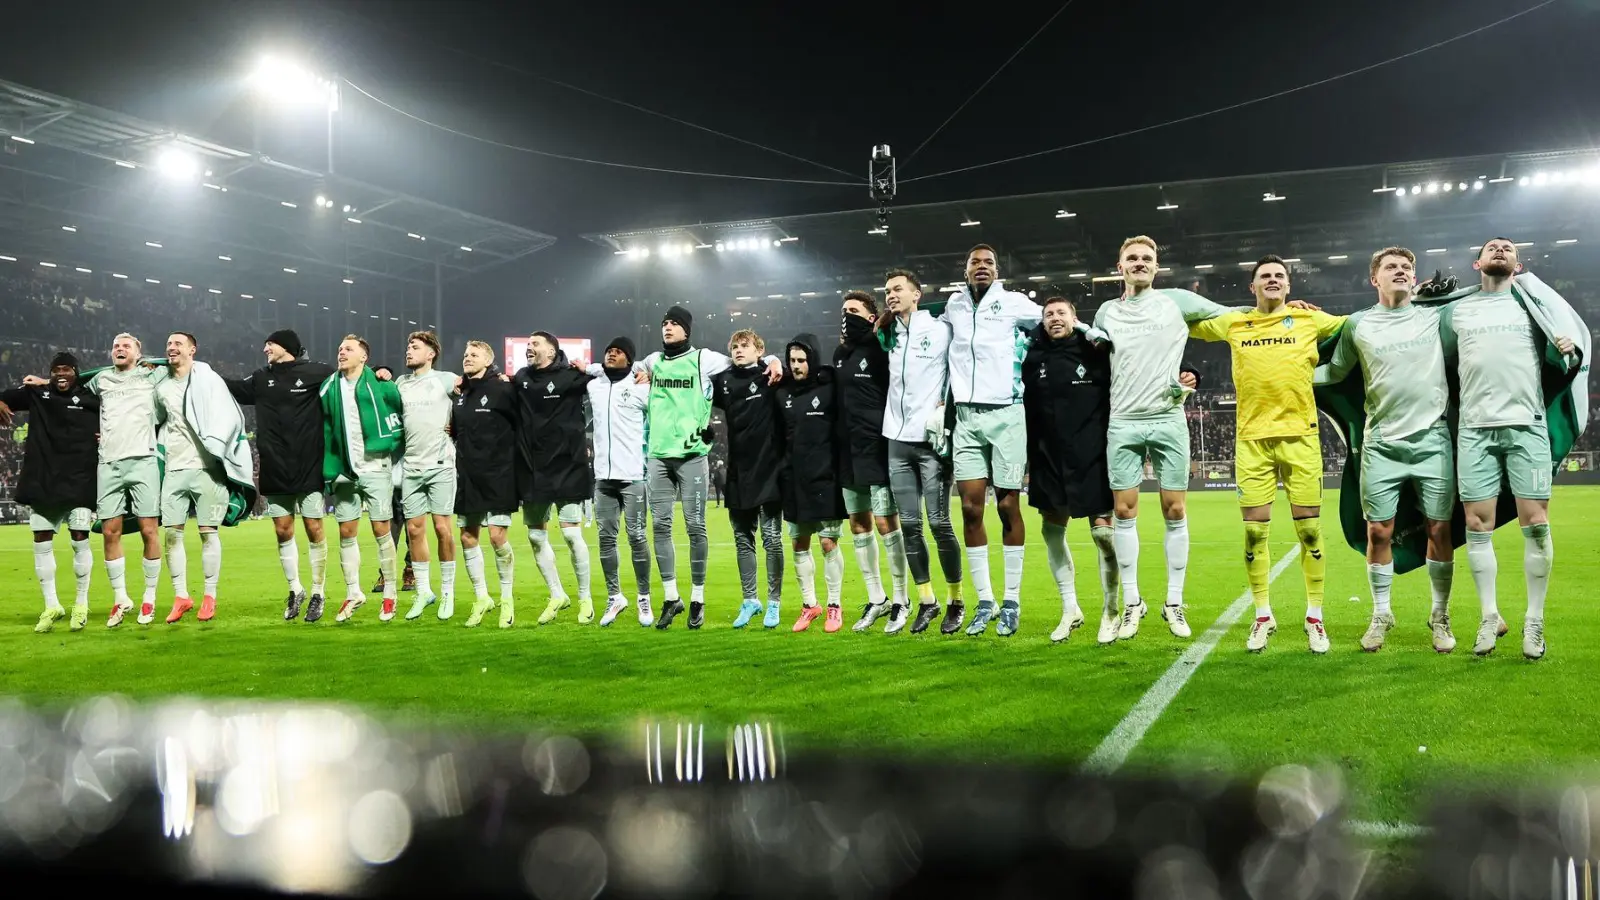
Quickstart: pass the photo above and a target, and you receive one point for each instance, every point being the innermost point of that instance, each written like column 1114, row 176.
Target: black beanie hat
column 681, row 316
column 64, row 359
column 625, row 345
column 288, row 340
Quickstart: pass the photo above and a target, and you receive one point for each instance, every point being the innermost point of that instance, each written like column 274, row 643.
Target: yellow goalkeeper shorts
column 1295, row 461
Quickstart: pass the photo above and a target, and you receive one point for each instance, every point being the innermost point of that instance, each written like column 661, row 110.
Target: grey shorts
column 375, row 490
column 306, row 506
column 44, row 518
column 193, row 492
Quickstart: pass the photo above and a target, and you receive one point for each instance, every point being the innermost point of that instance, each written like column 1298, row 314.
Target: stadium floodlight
column 186, row 287
column 1565, row 241
column 352, row 220
column 1167, row 206
column 688, row 249
column 970, row 222
column 1292, row 259
column 118, row 275
column 1447, row 187
column 777, row 243
column 1478, row 185
column 788, row 240
column 84, row 271
column 1539, row 179
column 47, row 265
column 21, row 140
column 154, row 244
column 1433, row 187
column 151, row 281
column 8, row 258
column 644, row 252
column 225, row 258
column 1338, row 256
column 291, row 271
column 349, row 281
column 1079, row 275
column 288, row 204
column 1461, row 185
column 1204, row 266
column 1063, row 214
column 293, row 84
column 466, row 249
column 1438, row 250
column 720, row 247
column 178, row 164
column 126, row 165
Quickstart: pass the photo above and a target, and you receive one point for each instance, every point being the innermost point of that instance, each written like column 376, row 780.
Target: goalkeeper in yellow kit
column 1274, row 355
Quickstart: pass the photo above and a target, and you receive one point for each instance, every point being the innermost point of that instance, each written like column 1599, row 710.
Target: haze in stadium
column 601, row 380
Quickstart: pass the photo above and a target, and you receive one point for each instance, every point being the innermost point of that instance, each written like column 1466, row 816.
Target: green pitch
column 1484, row 723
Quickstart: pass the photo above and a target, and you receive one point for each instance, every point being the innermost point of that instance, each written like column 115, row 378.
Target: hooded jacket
column 552, row 449
column 61, row 454
column 987, row 344
column 862, row 369
column 811, row 473
column 288, row 423
column 1067, row 401
column 755, row 435
column 483, row 424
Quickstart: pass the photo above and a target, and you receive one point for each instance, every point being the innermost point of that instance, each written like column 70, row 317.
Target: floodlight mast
column 881, row 177
column 295, row 84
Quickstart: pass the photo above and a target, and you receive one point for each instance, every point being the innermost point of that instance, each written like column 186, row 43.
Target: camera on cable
column 880, row 175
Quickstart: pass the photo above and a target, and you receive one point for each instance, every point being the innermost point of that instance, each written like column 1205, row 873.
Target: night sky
column 825, row 82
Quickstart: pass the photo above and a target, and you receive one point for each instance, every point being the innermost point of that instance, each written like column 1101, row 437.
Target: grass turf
column 1488, row 722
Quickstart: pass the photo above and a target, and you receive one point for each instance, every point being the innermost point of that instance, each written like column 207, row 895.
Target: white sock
column 545, row 557
column 1480, row 559
column 866, row 544
column 697, row 593
column 833, row 575
column 1380, row 576
column 211, row 561
column 669, row 589
column 505, row 565
column 1177, row 547
column 318, row 551
column 424, row 573
column 473, row 557
column 44, row 568
column 177, row 563
column 1013, row 557
column 350, row 565
column 1105, row 544
column 978, row 562
column 116, row 570
column 152, row 580
column 1441, row 573
column 447, row 580
column 1125, row 540
column 805, row 574
column 82, row 566
column 289, row 561
column 580, row 557
column 1538, row 556
column 386, row 567
column 895, row 543
column 1059, row 557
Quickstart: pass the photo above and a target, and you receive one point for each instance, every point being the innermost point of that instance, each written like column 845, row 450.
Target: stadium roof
column 1326, row 215
column 85, row 187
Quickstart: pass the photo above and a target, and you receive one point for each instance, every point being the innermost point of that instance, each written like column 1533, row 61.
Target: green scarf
column 378, row 404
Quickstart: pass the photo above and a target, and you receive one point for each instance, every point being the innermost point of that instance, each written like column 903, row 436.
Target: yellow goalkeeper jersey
column 1274, row 355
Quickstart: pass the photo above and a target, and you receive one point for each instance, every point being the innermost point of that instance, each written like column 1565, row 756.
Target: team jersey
column 1274, row 357
column 986, row 345
column 127, row 412
column 428, row 406
column 1148, row 332
column 178, row 440
column 1497, row 359
column 1402, row 368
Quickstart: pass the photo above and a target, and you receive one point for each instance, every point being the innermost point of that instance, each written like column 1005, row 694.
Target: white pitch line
column 1114, row 750
column 1386, row 830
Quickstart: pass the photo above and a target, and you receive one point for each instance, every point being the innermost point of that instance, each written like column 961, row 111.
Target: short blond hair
column 136, row 342
column 1391, row 251
column 1144, row 239
column 743, row 335
column 365, row 347
column 484, row 346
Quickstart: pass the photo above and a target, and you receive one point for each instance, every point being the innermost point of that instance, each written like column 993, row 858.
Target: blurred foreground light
column 380, row 827
column 565, row 863
column 178, row 164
